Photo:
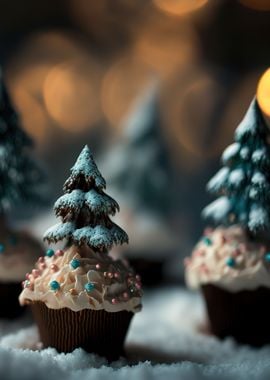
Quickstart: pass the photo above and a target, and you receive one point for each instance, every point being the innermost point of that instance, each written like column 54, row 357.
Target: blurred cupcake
column 18, row 252
column 80, row 296
column 231, row 264
column 21, row 184
column 233, row 274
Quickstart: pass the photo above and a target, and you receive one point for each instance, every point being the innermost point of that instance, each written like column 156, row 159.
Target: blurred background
column 80, row 72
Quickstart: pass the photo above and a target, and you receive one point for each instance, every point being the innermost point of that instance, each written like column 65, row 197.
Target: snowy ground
column 163, row 343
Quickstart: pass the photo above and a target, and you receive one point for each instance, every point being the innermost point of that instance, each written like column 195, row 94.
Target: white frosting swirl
column 227, row 258
column 113, row 285
column 19, row 251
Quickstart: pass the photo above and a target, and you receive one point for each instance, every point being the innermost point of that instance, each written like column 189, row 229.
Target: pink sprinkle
column 138, row 277
column 59, row 252
column 114, row 301
column 116, row 275
column 262, row 249
column 125, row 295
column 236, row 253
column 41, row 259
column 54, row 267
column 199, row 252
column 138, row 286
column 110, row 275
column 27, row 276
column 97, row 266
column 242, row 247
column 35, row 273
column 204, row 268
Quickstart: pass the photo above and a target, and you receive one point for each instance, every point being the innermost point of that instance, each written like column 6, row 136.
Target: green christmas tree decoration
column 243, row 183
column 85, row 209
column 21, row 178
column 139, row 167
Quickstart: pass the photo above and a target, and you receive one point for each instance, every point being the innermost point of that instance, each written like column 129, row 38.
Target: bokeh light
column 70, row 95
column 189, row 102
column 179, row 7
column 123, row 81
column 263, row 93
column 25, row 90
column 166, row 55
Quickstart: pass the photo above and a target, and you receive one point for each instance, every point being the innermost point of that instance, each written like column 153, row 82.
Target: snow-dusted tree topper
column 21, row 178
column 243, row 184
column 85, row 209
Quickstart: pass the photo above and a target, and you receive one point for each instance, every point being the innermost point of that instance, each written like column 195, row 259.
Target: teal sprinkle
column 75, row 263
column 267, row 257
column 89, row 287
column 207, row 240
column 230, row 262
column 50, row 252
column 2, row 248
column 54, row 285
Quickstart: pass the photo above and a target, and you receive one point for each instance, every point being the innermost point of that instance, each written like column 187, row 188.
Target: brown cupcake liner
column 244, row 315
column 96, row 331
column 9, row 294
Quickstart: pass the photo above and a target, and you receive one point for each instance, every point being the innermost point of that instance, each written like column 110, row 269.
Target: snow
column 258, row 218
column 258, row 179
column 95, row 201
column 59, row 231
column 249, row 126
column 217, row 210
column 86, row 165
column 236, row 178
column 164, row 342
column 100, row 236
column 219, row 180
column 230, row 152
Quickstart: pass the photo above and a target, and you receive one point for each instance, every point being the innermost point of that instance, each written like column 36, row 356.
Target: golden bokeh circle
column 122, row 83
column 179, row 7
column 263, row 93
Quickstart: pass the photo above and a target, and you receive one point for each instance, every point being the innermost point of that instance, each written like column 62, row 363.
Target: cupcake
column 80, row 296
column 231, row 263
column 20, row 178
column 18, row 252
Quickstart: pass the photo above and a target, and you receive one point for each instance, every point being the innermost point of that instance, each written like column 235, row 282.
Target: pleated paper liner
column 244, row 315
column 96, row 331
column 10, row 307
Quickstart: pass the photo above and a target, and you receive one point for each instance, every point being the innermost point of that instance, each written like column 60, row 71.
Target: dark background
column 74, row 68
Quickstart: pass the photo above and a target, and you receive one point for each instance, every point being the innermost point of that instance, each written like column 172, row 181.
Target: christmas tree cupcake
column 20, row 179
column 231, row 263
column 80, row 296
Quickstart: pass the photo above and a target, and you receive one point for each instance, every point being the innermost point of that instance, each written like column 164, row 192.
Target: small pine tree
column 139, row 166
column 20, row 176
column 243, row 184
column 85, row 209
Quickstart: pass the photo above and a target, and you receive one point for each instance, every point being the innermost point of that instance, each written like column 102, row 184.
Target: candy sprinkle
column 230, row 262
column 75, row 263
column 89, row 287
column 267, row 257
column 2, row 248
column 50, row 252
column 207, row 240
column 59, row 252
column 54, row 285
